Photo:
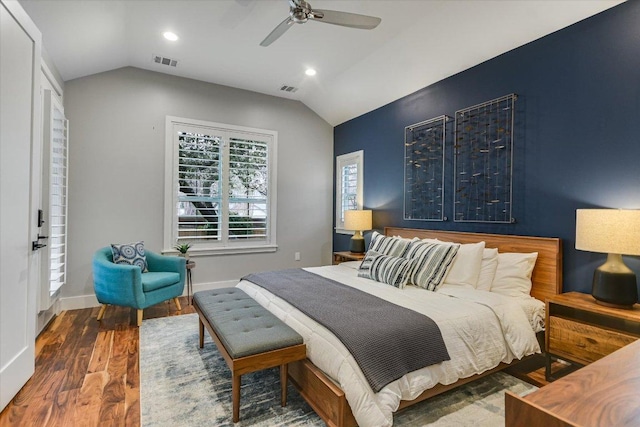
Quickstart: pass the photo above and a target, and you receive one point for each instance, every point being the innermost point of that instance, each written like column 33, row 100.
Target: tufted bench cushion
column 243, row 325
column 248, row 336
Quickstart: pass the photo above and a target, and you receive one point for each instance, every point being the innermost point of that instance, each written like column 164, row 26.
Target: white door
column 20, row 43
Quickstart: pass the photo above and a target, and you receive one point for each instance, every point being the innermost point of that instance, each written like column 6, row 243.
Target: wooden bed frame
column 326, row 397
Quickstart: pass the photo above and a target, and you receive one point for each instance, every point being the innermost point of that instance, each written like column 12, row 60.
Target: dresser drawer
column 581, row 342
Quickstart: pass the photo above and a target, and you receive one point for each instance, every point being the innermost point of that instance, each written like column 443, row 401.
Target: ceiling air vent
column 290, row 89
column 164, row 60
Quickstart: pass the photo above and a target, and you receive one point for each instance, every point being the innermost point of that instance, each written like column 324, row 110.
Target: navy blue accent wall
column 577, row 142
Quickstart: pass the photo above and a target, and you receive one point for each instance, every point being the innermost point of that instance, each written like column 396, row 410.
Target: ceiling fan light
column 310, row 72
column 170, row 36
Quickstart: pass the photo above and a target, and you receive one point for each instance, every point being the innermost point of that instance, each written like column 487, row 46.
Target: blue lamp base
column 357, row 245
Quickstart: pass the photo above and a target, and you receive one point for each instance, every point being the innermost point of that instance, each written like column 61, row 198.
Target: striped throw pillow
column 431, row 261
column 393, row 271
column 365, row 265
column 385, row 245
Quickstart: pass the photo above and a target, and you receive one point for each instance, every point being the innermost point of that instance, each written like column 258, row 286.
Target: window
column 349, row 172
column 220, row 187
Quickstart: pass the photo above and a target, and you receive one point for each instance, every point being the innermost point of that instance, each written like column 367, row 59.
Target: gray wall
column 116, row 171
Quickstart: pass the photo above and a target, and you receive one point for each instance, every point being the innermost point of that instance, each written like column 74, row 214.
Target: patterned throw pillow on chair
column 131, row 254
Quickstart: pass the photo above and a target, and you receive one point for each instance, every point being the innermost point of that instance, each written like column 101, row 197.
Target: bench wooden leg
column 283, row 384
column 201, row 328
column 235, row 389
column 101, row 312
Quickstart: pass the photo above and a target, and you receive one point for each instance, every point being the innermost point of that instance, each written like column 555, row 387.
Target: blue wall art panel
column 483, row 161
column 424, row 147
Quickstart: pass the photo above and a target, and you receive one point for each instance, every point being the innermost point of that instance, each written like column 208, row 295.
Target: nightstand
column 339, row 257
column 580, row 331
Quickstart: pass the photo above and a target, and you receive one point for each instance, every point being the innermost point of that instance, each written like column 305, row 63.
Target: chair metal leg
column 139, row 317
column 177, row 303
column 201, row 331
column 101, row 312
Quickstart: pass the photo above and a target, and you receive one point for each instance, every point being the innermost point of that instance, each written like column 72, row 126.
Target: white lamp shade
column 610, row 231
column 357, row 220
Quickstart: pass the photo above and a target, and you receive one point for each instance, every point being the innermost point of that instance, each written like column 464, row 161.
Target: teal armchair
column 128, row 286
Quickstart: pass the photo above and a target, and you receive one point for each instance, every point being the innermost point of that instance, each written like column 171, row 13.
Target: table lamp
column 615, row 232
column 358, row 221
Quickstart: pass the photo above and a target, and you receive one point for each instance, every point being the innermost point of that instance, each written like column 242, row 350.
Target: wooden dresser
column 580, row 331
column 604, row 393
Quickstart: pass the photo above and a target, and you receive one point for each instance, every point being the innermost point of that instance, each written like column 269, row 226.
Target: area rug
column 183, row 385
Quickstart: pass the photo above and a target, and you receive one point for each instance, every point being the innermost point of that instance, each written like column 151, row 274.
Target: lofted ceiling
column 418, row 43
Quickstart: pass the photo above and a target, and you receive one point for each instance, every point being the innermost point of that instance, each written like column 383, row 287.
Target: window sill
column 343, row 231
column 197, row 252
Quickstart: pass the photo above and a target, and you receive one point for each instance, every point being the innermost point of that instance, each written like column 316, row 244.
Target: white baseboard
column 78, row 302
column 87, row 301
column 214, row 285
column 45, row 316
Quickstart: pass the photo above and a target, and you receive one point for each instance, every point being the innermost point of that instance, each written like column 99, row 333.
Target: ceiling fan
column 300, row 12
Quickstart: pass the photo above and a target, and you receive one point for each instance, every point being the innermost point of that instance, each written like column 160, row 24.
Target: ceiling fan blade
column 277, row 32
column 345, row 19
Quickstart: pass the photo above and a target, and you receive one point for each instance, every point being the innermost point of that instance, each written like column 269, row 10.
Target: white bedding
column 480, row 330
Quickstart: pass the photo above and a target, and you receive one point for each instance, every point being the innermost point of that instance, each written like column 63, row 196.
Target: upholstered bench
column 248, row 336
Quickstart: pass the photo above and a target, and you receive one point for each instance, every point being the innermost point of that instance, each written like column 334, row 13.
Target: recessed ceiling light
column 170, row 36
column 310, row 72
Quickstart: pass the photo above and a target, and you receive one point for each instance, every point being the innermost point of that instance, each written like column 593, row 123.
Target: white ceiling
column 418, row 43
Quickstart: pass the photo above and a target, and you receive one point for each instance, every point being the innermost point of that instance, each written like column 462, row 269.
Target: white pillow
column 466, row 265
column 413, row 239
column 513, row 275
column 487, row 269
column 433, row 241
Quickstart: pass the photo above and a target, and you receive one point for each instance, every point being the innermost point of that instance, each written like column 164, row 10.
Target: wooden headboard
column 547, row 273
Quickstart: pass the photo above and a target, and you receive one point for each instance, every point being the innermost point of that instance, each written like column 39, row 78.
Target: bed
column 328, row 380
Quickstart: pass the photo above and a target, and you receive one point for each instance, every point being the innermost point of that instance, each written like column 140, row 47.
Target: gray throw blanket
column 386, row 340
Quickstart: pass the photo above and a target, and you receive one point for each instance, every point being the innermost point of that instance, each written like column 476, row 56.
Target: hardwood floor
column 87, row 372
